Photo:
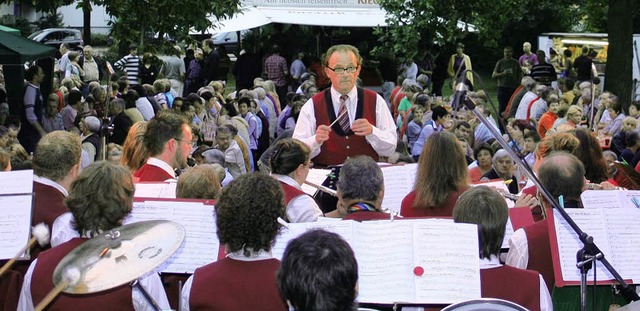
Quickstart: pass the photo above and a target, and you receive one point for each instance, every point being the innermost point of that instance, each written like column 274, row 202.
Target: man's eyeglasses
column 343, row 70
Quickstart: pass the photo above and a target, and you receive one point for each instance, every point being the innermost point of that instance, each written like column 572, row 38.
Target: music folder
column 615, row 232
column 201, row 245
column 16, row 208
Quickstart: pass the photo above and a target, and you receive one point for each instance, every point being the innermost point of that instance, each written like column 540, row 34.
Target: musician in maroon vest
column 361, row 189
column 168, row 138
column 529, row 248
column 247, row 220
column 290, row 166
column 485, row 207
column 99, row 199
column 56, row 163
column 364, row 125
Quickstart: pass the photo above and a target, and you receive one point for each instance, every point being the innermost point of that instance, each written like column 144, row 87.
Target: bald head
column 562, row 174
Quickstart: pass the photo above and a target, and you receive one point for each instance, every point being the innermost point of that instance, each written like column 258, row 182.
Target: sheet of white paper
column 201, row 243
column 508, row 232
column 384, row 251
column 498, row 185
column 591, row 221
column 156, row 190
column 342, row 228
column 600, row 199
column 448, row 253
column 625, row 197
column 16, row 182
column 15, row 223
column 316, row 176
column 398, row 182
column 622, row 226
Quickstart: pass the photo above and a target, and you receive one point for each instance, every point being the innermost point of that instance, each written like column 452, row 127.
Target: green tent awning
column 10, row 30
column 15, row 49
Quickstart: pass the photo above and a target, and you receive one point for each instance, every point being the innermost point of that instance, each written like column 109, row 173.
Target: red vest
column 342, row 145
column 512, row 284
column 48, row 204
column 230, row 284
column 540, row 251
column 151, row 173
column 290, row 192
column 118, row 298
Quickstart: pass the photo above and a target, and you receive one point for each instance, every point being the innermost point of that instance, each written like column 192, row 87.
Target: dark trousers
column 282, row 93
column 437, row 87
column 504, row 94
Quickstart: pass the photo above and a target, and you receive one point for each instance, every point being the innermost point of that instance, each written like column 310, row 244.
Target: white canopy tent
column 255, row 16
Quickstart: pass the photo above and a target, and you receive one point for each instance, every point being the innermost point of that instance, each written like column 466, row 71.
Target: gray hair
column 360, row 178
column 213, row 156
column 501, row 153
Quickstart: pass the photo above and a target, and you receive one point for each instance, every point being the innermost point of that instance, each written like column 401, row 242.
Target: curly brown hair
column 100, row 197
column 247, row 213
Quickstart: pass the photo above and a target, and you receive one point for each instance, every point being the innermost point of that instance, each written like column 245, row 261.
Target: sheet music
column 388, row 251
column 201, row 244
column 384, row 251
column 591, row 221
column 600, row 199
column 316, row 176
column 16, row 182
column 398, row 182
column 15, row 223
column 626, row 197
column 156, row 190
column 498, row 185
column 622, row 227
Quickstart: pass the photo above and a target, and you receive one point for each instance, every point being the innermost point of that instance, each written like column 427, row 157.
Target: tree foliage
column 136, row 20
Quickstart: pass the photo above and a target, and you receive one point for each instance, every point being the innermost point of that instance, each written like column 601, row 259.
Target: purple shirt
column 532, row 58
column 253, row 130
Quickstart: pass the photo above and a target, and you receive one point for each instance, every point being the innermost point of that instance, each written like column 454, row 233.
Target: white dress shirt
column 383, row 139
column 302, row 208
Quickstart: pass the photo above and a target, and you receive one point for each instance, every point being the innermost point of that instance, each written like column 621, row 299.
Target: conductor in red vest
column 364, row 125
column 168, row 138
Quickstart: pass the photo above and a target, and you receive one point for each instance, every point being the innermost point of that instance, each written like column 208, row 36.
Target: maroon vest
column 118, row 298
column 48, row 204
column 151, row 173
column 290, row 192
column 512, row 284
column 540, row 251
column 230, row 284
column 361, row 216
column 342, row 145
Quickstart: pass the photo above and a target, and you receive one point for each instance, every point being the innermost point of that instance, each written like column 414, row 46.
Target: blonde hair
column 134, row 150
column 573, row 109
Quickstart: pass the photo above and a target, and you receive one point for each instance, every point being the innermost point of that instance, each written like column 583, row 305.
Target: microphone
column 594, row 72
column 459, row 96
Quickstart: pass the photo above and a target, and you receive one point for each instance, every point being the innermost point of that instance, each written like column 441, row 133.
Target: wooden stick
column 51, row 295
column 18, row 255
column 322, row 188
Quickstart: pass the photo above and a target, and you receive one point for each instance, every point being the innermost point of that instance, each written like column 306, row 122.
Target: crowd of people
column 179, row 122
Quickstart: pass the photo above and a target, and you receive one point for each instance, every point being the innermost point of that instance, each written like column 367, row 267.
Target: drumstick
column 338, row 118
column 40, row 234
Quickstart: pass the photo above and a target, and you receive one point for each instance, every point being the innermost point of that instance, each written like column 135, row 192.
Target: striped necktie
column 343, row 115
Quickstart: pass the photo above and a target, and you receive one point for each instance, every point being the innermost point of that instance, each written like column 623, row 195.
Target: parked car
column 229, row 40
column 55, row 36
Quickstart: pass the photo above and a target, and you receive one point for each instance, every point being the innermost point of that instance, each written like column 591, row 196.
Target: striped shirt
column 130, row 65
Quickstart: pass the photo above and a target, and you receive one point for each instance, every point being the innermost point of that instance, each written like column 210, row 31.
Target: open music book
column 201, row 243
column 388, row 251
column 615, row 232
column 16, row 205
column 610, row 198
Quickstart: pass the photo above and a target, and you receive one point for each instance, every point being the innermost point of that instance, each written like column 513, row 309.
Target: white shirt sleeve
column 384, row 138
column 25, row 303
column 62, row 229
column 518, row 255
column 303, row 209
column 186, row 294
column 305, row 130
column 546, row 304
column 153, row 285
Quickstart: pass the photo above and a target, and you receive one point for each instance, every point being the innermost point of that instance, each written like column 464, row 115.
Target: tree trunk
column 619, row 72
column 86, row 23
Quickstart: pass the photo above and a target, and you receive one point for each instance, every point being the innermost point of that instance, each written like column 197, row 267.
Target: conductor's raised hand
column 361, row 127
column 322, row 133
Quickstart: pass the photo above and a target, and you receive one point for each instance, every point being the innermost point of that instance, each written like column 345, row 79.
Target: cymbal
column 118, row 256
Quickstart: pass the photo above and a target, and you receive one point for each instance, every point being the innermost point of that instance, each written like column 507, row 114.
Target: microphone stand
column 590, row 251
